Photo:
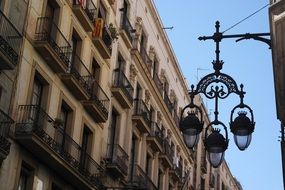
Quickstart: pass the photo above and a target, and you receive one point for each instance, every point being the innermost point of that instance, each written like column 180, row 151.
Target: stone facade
column 94, row 96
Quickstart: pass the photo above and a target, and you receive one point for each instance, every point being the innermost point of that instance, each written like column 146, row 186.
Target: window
column 148, row 167
column 102, row 13
column 121, row 64
column 65, row 116
column 112, row 132
column 85, row 147
column 138, row 91
column 133, row 156
column 202, row 184
column 125, row 9
column 166, row 87
column 26, row 178
column 143, row 42
column 37, row 92
column 160, row 179
column 95, row 70
column 155, row 67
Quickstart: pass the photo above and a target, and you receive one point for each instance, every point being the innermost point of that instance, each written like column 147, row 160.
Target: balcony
column 141, row 116
column 46, row 139
column 140, row 179
column 155, row 138
column 158, row 82
column 101, row 37
column 126, row 30
column 5, row 123
column 52, row 45
column 10, row 43
column 98, row 104
column 117, row 161
column 167, row 155
column 77, row 79
column 168, row 102
column 85, row 11
column 122, row 89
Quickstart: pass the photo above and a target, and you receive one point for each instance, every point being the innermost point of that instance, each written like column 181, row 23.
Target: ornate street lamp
column 218, row 85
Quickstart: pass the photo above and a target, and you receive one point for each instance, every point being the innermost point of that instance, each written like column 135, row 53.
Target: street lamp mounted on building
column 218, row 85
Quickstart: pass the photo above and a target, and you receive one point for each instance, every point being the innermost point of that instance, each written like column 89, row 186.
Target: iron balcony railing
column 98, row 95
column 127, row 27
column 121, row 81
column 141, row 109
column 158, row 82
column 145, row 58
column 157, row 133
column 34, row 120
column 5, row 123
column 168, row 151
column 116, row 155
column 168, row 102
column 48, row 31
column 80, row 72
column 141, row 179
column 10, row 39
column 89, row 8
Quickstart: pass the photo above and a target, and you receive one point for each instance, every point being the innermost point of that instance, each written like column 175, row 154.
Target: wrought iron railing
column 34, row 120
column 116, row 155
column 141, row 179
column 168, row 102
column 89, row 8
column 5, row 124
column 158, row 82
column 121, row 81
column 157, row 133
column 145, row 58
column 141, row 109
column 98, row 95
column 127, row 27
column 48, row 31
column 10, row 39
column 80, row 72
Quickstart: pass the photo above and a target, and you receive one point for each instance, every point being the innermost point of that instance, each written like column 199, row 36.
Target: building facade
column 277, row 31
column 91, row 93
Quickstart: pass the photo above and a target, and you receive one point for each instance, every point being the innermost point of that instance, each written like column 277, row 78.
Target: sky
column 248, row 62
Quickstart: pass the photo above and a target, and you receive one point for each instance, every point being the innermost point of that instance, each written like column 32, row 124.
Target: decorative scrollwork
column 217, row 90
